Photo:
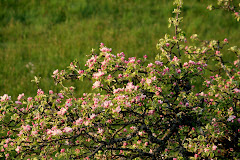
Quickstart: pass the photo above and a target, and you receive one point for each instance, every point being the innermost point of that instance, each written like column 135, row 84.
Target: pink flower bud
column 214, row 147
column 217, row 52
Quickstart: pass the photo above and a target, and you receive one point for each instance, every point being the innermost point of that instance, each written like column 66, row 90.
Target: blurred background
column 40, row 36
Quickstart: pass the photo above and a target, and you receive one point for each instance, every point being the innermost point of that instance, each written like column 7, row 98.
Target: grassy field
column 37, row 37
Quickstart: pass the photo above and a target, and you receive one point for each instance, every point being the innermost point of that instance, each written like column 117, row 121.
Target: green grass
column 50, row 34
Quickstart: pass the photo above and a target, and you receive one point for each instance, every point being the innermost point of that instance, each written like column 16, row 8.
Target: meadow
column 37, row 37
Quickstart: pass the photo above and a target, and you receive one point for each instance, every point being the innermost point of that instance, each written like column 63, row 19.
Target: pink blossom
column 60, row 95
column 107, row 104
column 150, row 65
column 191, row 62
column 160, row 101
column 166, row 69
column 118, row 109
column 109, row 76
column 178, row 71
column 206, row 149
column 67, row 130
column 40, row 92
column 151, row 112
column 96, row 75
column 196, row 155
column 185, row 64
column 140, row 133
column 29, row 99
column 8, row 140
column 133, row 127
column 154, row 78
column 5, row 145
column 68, row 102
column 56, row 132
column 50, row 92
column 128, row 104
column 20, row 96
column 79, row 121
column 130, row 87
column 20, row 133
column 236, row 90
column 121, row 54
column 18, row 149
column 26, row 128
column 232, row 117
column 80, row 72
column 214, row 147
column 100, row 130
column 5, row 97
column 217, row 52
column 101, row 44
column 105, row 49
column 18, row 102
column 120, row 76
column 90, row 62
column 142, row 96
column 62, row 111
column 62, row 150
column 93, row 116
column 55, row 72
column 34, row 132
column 148, row 81
column 86, row 123
column 132, row 59
column 159, row 63
column 175, row 59
column 96, row 84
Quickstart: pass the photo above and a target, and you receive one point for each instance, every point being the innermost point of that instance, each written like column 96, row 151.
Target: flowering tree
column 184, row 105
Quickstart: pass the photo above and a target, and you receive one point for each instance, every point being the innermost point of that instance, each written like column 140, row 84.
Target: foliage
column 183, row 105
column 229, row 5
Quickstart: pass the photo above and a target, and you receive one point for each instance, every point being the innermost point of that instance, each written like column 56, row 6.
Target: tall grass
column 37, row 37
